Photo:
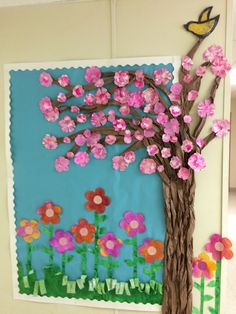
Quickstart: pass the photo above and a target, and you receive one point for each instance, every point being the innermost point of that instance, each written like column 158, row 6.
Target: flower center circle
column 219, row 246
column 110, row 244
column 62, row 241
column 84, row 232
column 97, row 199
column 134, row 224
column 29, row 230
column 151, row 250
column 202, row 266
column 49, row 212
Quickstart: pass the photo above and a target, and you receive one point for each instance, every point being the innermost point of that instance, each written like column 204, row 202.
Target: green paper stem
column 135, row 255
column 29, row 258
column 84, row 258
column 96, row 248
column 217, row 286
column 110, row 267
column 202, row 293
column 63, row 263
column 51, row 249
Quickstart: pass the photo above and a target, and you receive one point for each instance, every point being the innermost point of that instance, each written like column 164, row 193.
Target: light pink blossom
column 187, row 119
column 175, row 162
column 81, row 158
column 102, row 96
column 187, row 78
column 67, row 124
column 183, row 173
column 99, row 83
column 148, row 166
column 99, row 151
column 52, row 115
column 165, row 152
column 146, row 123
column 160, row 168
column 139, row 79
column 91, row 138
column 200, row 142
column 121, row 78
column 192, row 95
column 135, row 99
column 50, row 142
column 174, row 97
column 196, row 162
column 124, row 110
column 158, row 108
column 213, row 52
column 127, row 137
column 70, row 155
column 201, row 71
column 119, row 125
column 162, row 118
column 148, row 108
column 173, row 139
column 129, row 157
column 81, row 118
column 149, row 133
column 74, row 109
column 171, row 127
column 206, row 108
column 98, row 119
column 61, row 97
column 138, row 135
column 175, row 111
column 90, row 99
column 64, row 80
column 111, row 115
column 66, row 140
column 187, row 63
column 45, row 105
column 166, row 138
column 220, row 67
column 122, row 95
column 162, row 76
column 110, row 139
column 152, row 150
column 80, row 140
column 92, row 74
column 176, row 88
column 119, row 163
column 78, row 91
column 150, row 96
column 45, row 79
column 221, row 127
column 187, row 146
column 62, row 164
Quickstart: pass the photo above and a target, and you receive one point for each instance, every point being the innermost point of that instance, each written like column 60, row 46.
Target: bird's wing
column 203, row 29
column 205, row 14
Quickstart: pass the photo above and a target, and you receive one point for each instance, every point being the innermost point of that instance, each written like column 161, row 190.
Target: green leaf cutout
column 128, row 241
column 156, row 266
column 116, row 264
column 195, row 310
column 211, row 284
column 129, row 262
column 141, row 260
column 69, row 258
column 147, row 271
column 102, row 218
column 79, row 250
column 102, row 230
column 33, row 248
column 46, row 249
column 208, row 297
column 212, row 310
column 103, row 263
column 46, row 230
column 91, row 250
column 197, row 286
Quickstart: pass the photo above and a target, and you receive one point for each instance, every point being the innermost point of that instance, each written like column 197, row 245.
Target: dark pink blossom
column 121, row 95
column 119, row 125
column 136, row 99
column 45, row 105
column 98, row 119
column 183, row 173
column 45, row 79
column 196, row 162
column 90, row 99
column 64, row 80
column 139, row 79
column 78, row 91
column 92, row 74
column 102, row 96
column 206, row 109
column 121, row 78
column 62, row 241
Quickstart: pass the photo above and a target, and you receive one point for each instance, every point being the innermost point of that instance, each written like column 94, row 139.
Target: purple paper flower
column 62, row 241
column 132, row 223
column 109, row 244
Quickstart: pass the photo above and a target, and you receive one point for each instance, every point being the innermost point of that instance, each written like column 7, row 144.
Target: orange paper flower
column 151, row 250
column 97, row 200
column 28, row 230
column 83, row 231
column 49, row 213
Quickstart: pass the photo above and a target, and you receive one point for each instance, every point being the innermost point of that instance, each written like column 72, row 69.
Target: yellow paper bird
column 204, row 26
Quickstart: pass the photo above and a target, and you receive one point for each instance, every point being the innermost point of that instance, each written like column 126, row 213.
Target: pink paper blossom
column 174, row 97
column 66, row 140
column 183, row 173
column 213, row 52
column 187, row 146
column 119, row 163
column 148, row 108
column 176, row 88
column 92, row 74
column 119, row 125
column 91, row 138
column 148, row 166
column 200, row 142
column 61, row 97
column 98, row 119
column 187, row 119
column 64, row 80
column 221, row 127
column 90, row 99
column 52, row 115
column 81, row 118
column 111, row 115
column 67, row 124
column 162, row 118
column 162, row 76
column 74, row 109
column 149, row 133
column 171, row 127
column 102, row 96
column 70, row 155
column 50, row 142
column 187, row 78
column 80, row 140
column 150, row 96
column 81, row 158
column 206, row 108
column 187, row 63
column 158, row 108
column 136, row 99
column 78, row 91
column 129, row 157
column 175, row 111
column 175, row 162
column 192, row 95
column 121, row 78
column 45, row 79
column 220, row 67
column 196, row 162
column 166, row 138
column 45, row 105
column 201, row 71
column 138, row 135
column 165, row 152
column 110, row 139
column 160, row 168
column 127, row 137
column 62, row 164
column 173, row 139
column 139, row 79
column 99, row 83
column 124, row 110
column 146, row 123
column 99, row 151
column 122, row 95
column 152, row 150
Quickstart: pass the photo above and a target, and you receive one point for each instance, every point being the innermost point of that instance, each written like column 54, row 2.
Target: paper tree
column 139, row 110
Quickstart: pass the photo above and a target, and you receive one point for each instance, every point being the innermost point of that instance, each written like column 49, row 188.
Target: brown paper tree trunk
column 180, row 221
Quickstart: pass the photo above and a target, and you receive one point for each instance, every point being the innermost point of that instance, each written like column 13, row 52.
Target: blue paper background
column 36, row 180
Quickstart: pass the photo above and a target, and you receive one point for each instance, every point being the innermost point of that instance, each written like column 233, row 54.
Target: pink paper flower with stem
column 62, row 164
column 220, row 247
column 109, row 244
column 62, row 241
column 203, row 266
column 132, row 223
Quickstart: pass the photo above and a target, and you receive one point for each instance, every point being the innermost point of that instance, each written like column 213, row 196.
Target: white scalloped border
column 175, row 61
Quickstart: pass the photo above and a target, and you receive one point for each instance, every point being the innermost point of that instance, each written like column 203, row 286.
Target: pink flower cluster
column 122, row 162
column 51, row 113
column 206, row 109
column 67, row 124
